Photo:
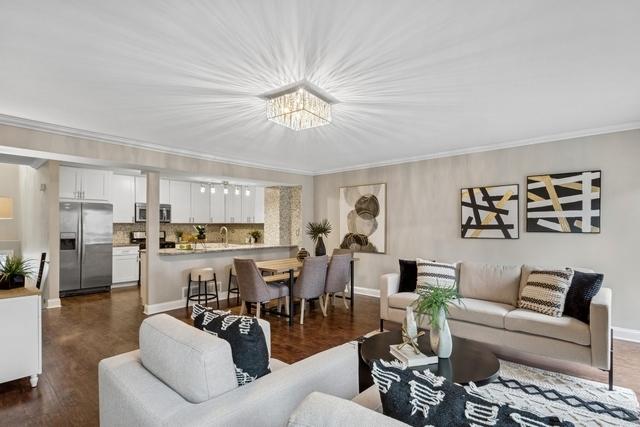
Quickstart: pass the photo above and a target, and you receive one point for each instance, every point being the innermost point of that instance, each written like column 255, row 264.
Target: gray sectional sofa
column 488, row 313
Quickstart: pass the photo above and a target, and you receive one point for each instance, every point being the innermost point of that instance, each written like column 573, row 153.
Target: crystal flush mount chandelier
column 299, row 106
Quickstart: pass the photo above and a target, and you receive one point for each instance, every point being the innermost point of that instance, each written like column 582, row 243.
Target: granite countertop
column 219, row 247
column 125, row 245
column 18, row 292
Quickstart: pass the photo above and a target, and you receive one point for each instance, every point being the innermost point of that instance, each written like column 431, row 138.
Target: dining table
column 287, row 269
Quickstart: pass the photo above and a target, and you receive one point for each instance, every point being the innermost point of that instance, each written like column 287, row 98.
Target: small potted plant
column 178, row 234
column 13, row 271
column 316, row 231
column 201, row 232
column 255, row 236
column 433, row 302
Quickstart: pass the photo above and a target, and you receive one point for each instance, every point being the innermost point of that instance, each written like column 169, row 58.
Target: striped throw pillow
column 435, row 274
column 546, row 291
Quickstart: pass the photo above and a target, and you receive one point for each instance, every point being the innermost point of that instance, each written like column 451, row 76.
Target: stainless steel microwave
column 141, row 213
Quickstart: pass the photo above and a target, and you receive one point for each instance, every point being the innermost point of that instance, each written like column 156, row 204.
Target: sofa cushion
column 490, row 282
column 402, row 299
column 194, row 364
column 408, row 275
column 487, row 313
column 562, row 328
column 528, row 268
column 435, row 274
column 244, row 334
column 546, row 291
column 584, row 286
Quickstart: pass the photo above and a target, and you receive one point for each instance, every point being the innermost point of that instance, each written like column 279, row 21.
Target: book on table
column 408, row 356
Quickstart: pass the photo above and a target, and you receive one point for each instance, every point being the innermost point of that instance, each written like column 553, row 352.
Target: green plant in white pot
column 433, row 302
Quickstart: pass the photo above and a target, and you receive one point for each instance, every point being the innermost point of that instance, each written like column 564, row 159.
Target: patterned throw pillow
column 244, row 335
column 420, row 398
column 435, row 274
column 546, row 291
column 584, row 287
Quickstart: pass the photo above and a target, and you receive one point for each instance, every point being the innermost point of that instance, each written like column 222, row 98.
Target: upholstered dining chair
column 253, row 288
column 338, row 277
column 310, row 283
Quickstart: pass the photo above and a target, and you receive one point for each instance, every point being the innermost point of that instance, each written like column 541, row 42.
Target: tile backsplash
column 237, row 232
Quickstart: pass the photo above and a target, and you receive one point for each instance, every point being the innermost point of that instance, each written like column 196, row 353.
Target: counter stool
column 233, row 290
column 202, row 276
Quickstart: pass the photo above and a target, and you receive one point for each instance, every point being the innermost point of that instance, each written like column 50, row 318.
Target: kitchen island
column 164, row 287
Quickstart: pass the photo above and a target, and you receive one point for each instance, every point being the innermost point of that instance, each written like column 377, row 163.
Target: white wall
column 9, row 187
column 423, row 212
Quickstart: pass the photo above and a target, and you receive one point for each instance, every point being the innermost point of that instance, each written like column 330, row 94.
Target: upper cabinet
column 141, row 189
column 200, row 203
column 85, row 184
column 123, row 198
column 248, row 203
column 233, row 204
column 217, row 204
column 165, row 192
column 259, row 205
column 180, row 193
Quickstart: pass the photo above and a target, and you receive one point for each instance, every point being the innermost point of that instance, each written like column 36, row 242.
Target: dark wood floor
column 90, row 328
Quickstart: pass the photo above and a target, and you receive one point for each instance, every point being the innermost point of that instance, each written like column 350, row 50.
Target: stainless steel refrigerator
column 86, row 245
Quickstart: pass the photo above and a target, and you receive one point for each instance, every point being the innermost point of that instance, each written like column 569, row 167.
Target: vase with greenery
column 201, row 232
column 433, row 302
column 178, row 234
column 316, row 231
column 13, row 271
column 255, row 235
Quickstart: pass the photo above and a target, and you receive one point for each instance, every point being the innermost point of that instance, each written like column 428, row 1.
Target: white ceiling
column 415, row 78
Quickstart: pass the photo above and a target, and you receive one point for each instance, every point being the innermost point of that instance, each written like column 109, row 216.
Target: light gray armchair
column 253, row 288
column 311, row 282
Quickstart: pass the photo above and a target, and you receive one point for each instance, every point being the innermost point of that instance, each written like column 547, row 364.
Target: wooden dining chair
column 338, row 277
column 253, row 288
column 310, row 283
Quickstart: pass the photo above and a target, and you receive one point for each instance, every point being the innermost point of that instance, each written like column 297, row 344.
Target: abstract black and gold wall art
column 490, row 212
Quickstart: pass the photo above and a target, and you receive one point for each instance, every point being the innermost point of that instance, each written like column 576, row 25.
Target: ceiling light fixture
column 299, row 106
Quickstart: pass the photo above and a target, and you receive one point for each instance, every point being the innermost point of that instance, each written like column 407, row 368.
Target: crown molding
column 133, row 143
column 117, row 140
column 491, row 147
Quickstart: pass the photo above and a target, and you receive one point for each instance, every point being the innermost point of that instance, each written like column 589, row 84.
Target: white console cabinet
column 20, row 335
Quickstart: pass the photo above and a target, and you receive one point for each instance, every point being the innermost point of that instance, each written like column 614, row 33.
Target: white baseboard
column 124, row 285
column 150, row 309
column 53, row 303
column 367, row 291
column 626, row 334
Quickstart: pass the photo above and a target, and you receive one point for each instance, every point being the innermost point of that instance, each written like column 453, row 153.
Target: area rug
column 582, row 402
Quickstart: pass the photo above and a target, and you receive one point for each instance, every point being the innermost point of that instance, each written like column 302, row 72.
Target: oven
column 141, row 213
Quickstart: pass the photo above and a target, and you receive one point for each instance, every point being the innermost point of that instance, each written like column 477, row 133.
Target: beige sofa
column 487, row 312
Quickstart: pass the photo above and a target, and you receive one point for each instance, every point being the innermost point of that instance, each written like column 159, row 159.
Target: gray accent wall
column 423, row 211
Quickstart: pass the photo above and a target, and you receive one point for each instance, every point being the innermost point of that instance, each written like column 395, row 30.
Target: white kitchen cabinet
column 248, row 204
column 217, row 203
column 259, row 206
column 200, row 203
column 123, row 199
column 165, row 192
column 125, row 264
column 180, row 193
column 20, row 335
column 85, row 184
column 141, row 189
column 233, row 204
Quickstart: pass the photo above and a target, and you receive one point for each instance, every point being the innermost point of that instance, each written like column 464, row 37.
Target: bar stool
column 235, row 290
column 202, row 276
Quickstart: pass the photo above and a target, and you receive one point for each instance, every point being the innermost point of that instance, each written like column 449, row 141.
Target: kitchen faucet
column 226, row 235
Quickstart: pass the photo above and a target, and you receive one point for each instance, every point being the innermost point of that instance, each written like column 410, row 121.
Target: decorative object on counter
column 434, row 302
column 13, row 271
column 363, row 214
column 564, row 202
column 302, row 254
column 254, row 236
column 490, row 212
column 201, row 232
column 178, row 234
column 317, row 230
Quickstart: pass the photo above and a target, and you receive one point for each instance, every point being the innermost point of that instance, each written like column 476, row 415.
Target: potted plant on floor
column 316, row 231
column 433, row 302
column 13, row 271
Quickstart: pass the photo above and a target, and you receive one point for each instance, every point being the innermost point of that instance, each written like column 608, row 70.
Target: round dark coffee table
column 469, row 362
